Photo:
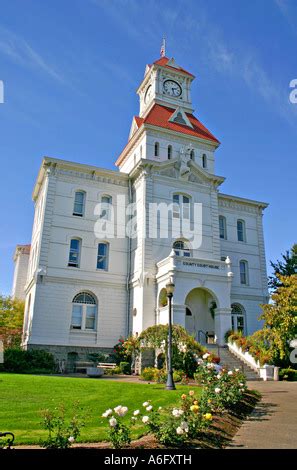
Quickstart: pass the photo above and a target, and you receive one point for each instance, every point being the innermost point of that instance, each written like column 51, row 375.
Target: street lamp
column 169, row 290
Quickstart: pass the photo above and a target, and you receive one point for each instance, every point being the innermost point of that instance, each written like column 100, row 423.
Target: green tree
column 280, row 317
column 11, row 320
column 286, row 267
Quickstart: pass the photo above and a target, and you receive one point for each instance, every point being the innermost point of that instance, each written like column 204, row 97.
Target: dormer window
column 156, row 149
column 169, row 152
column 179, row 119
column 204, row 161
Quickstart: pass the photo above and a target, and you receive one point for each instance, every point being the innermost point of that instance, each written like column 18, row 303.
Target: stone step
column 231, row 361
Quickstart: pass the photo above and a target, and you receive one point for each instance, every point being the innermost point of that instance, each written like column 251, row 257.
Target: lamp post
column 170, row 384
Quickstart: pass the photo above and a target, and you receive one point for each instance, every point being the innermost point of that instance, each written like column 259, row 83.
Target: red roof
column 159, row 116
column 163, row 61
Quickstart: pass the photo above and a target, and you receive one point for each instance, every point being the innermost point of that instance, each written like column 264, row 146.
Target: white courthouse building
column 84, row 291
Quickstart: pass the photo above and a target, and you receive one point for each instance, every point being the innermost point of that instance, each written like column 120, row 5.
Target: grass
column 22, row 397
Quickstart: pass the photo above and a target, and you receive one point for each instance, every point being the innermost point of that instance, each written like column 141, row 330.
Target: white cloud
column 19, row 51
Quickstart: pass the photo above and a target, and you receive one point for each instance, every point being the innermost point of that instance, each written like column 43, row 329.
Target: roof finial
column 163, row 48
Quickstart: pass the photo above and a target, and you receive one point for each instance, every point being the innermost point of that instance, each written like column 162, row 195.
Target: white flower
column 121, row 410
column 210, row 366
column 230, row 372
column 149, row 408
column 107, row 413
column 71, row 439
column 205, row 356
column 179, row 431
column 241, row 384
column 145, row 419
column 177, row 413
column 217, row 390
column 145, row 404
column 219, row 376
column 160, row 408
column 113, row 422
column 184, row 425
column 136, row 412
column 236, row 370
column 134, row 418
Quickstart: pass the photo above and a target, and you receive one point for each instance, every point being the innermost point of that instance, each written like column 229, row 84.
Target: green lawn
column 22, row 397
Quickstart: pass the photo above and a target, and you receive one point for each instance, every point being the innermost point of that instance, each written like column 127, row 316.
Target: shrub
column 178, row 375
column 288, row 374
column 125, row 368
column 18, row 360
column 119, row 433
column 61, row 433
column 148, row 374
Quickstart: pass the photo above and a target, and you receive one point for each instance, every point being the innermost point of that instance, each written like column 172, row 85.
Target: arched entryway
column 200, row 305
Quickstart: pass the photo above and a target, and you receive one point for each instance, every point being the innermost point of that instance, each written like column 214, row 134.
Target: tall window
column 79, row 203
column 169, row 152
column 238, row 318
column 192, row 155
column 106, row 206
column 181, row 205
column 241, row 237
column 204, row 161
column 84, row 312
column 223, row 227
column 156, row 149
column 102, row 256
column 243, row 270
column 74, row 253
column 181, row 248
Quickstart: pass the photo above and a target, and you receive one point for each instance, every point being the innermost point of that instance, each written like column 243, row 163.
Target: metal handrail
column 9, row 441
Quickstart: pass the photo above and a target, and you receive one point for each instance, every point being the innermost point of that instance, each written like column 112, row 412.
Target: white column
column 222, row 324
column 179, row 314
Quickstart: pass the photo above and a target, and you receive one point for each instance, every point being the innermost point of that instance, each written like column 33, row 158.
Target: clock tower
column 165, row 83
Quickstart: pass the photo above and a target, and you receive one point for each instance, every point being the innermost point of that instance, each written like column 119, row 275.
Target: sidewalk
column 273, row 423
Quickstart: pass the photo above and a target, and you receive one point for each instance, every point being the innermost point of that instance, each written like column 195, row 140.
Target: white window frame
column 184, row 250
column 106, row 206
column 105, row 257
column 77, row 213
column 223, row 228
column 72, row 264
column 243, row 231
column 244, row 272
column 181, row 206
column 84, row 307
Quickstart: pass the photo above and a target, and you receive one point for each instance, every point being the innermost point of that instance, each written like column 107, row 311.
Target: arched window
column 74, row 253
column 243, row 271
column 181, row 205
column 156, row 149
column 204, row 160
column 169, row 152
column 79, row 203
column 163, row 299
column 223, row 227
column 241, row 237
column 188, row 312
column 192, row 155
column 181, row 248
column 102, row 256
column 106, row 207
column 84, row 312
column 238, row 318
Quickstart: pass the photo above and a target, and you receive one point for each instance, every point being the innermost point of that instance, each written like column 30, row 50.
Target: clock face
column 172, row 88
column 148, row 93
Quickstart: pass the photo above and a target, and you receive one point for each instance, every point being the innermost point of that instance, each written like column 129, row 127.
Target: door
column 238, row 323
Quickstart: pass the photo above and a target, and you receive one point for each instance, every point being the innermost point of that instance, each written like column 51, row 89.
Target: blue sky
column 70, row 70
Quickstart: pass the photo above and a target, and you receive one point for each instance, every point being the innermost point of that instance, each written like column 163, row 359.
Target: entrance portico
column 201, row 301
